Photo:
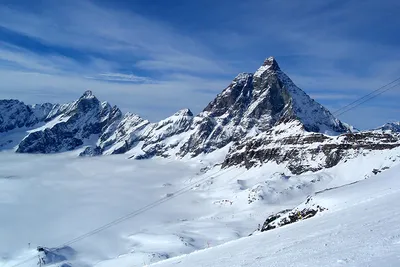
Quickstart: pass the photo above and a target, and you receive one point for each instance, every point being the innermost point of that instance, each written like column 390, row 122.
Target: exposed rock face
column 120, row 136
column 254, row 103
column 304, row 151
column 91, row 152
column 77, row 121
column 153, row 138
column 56, row 256
column 15, row 114
column 302, row 212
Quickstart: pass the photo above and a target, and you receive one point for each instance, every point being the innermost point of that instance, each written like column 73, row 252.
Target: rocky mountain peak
column 232, row 98
column 254, row 103
column 271, row 62
column 87, row 102
column 184, row 112
column 68, row 126
column 269, row 65
column 87, row 95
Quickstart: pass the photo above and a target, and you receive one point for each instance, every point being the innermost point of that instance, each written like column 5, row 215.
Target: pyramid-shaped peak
column 269, row 64
column 88, row 94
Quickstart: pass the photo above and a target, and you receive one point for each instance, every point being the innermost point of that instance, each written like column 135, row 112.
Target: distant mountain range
column 260, row 117
column 390, row 126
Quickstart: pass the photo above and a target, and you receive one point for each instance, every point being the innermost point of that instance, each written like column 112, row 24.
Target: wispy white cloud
column 117, row 46
column 340, row 83
column 85, row 25
column 50, row 63
column 332, row 96
column 325, row 44
column 153, row 100
column 120, row 77
column 149, row 61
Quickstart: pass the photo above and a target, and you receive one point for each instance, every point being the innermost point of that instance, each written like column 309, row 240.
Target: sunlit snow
column 47, row 200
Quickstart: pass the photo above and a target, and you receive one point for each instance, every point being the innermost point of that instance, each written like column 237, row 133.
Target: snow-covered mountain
column 150, row 139
column 261, row 117
column 251, row 104
column 390, row 126
column 15, row 114
column 71, row 125
column 302, row 151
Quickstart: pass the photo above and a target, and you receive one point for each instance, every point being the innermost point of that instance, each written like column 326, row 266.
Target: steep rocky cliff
column 302, row 151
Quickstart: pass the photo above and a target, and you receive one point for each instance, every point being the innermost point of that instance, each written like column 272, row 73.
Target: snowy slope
column 72, row 126
column 360, row 228
column 262, row 146
column 50, row 199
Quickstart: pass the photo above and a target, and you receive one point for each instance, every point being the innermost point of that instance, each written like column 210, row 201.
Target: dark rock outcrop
column 56, row 256
column 77, row 122
column 285, row 217
column 304, row 151
column 91, row 151
column 254, row 103
column 15, row 114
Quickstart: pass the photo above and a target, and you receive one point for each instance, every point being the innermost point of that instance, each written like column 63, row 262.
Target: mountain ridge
column 261, row 116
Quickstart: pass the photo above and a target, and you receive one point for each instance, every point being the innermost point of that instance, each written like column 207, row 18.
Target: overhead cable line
column 135, row 213
column 367, row 97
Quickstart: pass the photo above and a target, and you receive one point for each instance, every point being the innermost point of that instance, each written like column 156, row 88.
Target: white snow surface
column 47, row 200
column 360, row 228
column 50, row 124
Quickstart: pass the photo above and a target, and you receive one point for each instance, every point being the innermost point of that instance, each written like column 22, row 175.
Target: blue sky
column 156, row 57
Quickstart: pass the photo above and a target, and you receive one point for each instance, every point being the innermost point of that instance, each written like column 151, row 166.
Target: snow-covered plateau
column 263, row 176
